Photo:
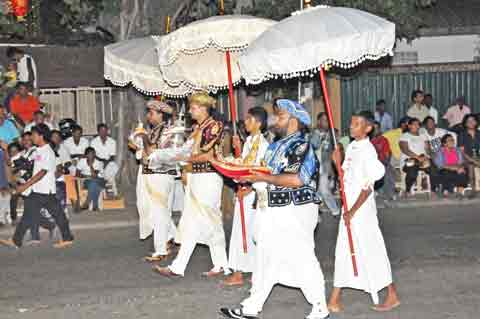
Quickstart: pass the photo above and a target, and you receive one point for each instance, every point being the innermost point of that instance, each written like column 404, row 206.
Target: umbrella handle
column 328, row 108
column 231, row 99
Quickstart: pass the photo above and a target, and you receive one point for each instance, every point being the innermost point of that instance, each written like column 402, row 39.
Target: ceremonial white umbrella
column 136, row 62
column 203, row 55
column 311, row 40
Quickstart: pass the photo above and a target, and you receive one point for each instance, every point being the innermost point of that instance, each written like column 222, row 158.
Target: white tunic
column 361, row 169
column 238, row 260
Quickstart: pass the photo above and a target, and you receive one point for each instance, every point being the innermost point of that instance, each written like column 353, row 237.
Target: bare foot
column 335, row 304
column 63, row 244
column 213, row 273
column 155, row 258
column 8, row 243
column 335, row 308
column 391, row 301
column 235, row 279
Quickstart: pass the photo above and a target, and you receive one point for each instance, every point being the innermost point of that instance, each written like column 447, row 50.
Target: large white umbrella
column 136, row 62
column 203, row 55
column 312, row 39
column 316, row 37
column 195, row 55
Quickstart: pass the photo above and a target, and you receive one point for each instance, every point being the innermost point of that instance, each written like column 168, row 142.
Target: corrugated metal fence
column 395, row 85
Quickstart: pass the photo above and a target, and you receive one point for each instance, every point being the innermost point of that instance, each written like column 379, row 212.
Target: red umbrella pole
column 242, row 219
column 328, row 108
column 231, row 99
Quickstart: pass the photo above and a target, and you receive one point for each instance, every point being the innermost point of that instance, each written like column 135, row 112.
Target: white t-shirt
column 104, row 150
column 44, row 159
column 85, row 170
column 416, row 144
column 28, row 127
column 435, row 139
column 74, row 149
column 62, row 158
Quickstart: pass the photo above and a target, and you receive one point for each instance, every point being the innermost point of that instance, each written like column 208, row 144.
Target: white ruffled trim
column 325, row 64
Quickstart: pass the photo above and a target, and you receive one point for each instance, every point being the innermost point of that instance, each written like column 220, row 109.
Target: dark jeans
column 31, row 217
column 61, row 194
column 94, row 187
column 412, row 174
column 449, row 179
column 13, row 206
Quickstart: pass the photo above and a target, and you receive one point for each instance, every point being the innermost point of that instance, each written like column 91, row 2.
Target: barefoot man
column 361, row 169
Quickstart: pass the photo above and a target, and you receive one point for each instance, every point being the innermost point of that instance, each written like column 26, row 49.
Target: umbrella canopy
column 194, row 55
column 136, row 62
column 316, row 37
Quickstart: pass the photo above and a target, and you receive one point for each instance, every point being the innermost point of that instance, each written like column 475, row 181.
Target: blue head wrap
column 296, row 110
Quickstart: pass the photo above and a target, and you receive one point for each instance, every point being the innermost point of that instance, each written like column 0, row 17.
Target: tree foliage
column 406, row 14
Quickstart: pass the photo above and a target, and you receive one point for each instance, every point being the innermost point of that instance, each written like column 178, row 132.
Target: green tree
column 406, row 14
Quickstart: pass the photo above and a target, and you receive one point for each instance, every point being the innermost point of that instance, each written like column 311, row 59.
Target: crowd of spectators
column 445, row 149
column 90, row 159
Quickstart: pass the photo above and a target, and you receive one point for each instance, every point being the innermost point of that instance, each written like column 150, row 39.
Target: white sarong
column 154, row 209
column 362, row 169
column 201, row 221
column 238, row 260
column 286, row 255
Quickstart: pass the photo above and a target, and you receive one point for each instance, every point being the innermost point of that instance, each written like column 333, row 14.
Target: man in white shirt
column 26, row 67
column 38, row 118
column 42, row 185
column 76, row 146
column 92, row 170
column 433, row 112
column 106, row 150
column 414, row 153
column 382, row 117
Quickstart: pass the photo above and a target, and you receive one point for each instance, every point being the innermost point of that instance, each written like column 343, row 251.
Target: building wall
column 439, row 49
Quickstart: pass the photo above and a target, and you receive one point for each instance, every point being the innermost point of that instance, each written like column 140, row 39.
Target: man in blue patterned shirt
column 287, row 217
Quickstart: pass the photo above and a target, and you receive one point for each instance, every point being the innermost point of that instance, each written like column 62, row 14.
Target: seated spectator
column 8, row 131
column 451, row 170
column 76, row 144
column 92, row 170
column 469, row 143
column 418, row 110
column 387, row 184
column 23, row 105
column 414, row 154
column 393, row 137
column 63, row 164
column 38, row 118
column 106, row 150
column 383, row 117
column 456, row 113
column 433, row 134
column 428, row 102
